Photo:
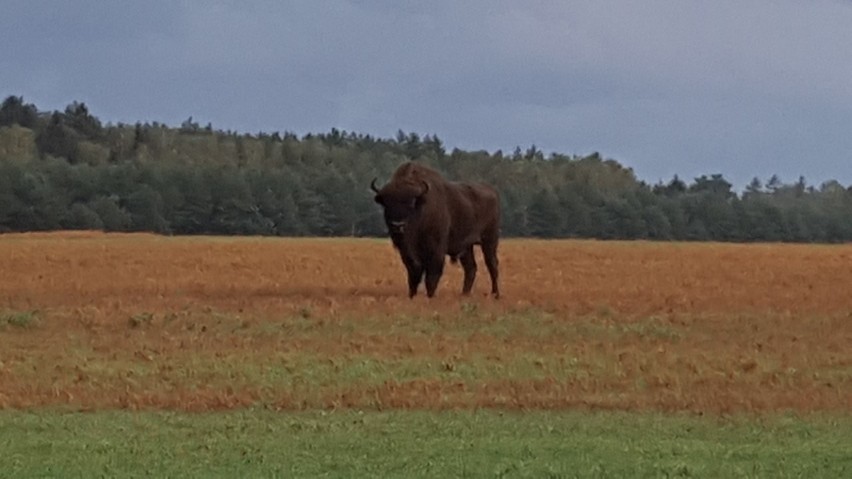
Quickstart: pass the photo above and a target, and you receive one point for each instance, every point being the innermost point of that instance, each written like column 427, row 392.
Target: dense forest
column 68, row 170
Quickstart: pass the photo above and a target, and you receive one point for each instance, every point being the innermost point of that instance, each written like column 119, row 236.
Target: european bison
column 429, row 217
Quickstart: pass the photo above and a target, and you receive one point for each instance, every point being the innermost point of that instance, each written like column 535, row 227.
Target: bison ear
column 421, row 198
column 418, row 201
column 378, row 199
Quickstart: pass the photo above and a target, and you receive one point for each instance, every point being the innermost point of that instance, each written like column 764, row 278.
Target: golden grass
column 137, row 320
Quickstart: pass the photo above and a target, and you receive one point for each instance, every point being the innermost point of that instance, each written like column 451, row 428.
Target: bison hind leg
column 489, row 251
column 469, row 263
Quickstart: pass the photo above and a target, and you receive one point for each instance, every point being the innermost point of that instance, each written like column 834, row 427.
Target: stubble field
column 92, row 321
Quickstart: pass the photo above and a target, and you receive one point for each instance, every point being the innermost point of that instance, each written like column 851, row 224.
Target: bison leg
column 489, row 251
column 414, row 270
column 468, row 262
column 434, row 270
column 415, row 274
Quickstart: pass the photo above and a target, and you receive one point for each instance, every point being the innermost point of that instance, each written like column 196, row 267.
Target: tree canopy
column 67, row 170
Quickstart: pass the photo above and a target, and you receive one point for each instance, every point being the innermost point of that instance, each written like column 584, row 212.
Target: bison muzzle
column 429, row 217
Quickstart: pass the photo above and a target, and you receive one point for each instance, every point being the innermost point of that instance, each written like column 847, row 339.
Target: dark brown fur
column 429, row 218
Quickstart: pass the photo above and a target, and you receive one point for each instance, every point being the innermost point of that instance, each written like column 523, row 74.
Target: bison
column 429, row 217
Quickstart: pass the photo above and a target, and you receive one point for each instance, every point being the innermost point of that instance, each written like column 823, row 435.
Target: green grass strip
column 257, row 443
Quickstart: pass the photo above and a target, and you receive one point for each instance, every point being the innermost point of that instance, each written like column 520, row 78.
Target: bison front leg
column 434, row 270
column 415, row 274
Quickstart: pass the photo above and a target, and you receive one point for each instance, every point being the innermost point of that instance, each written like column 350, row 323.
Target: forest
column 68, row 170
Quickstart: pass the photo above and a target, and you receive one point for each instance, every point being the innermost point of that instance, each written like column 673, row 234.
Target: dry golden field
column 92, row 320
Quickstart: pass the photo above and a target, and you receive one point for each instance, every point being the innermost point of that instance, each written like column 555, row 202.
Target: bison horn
column 373, row 185
column 425, row 187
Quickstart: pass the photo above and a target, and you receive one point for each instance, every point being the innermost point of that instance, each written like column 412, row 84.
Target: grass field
column 418, row 444
column 697, row 353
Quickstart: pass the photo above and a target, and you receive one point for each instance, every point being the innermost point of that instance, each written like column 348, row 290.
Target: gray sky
column 739, row 87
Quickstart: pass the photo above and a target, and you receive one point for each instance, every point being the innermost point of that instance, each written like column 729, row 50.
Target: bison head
column 400, row 202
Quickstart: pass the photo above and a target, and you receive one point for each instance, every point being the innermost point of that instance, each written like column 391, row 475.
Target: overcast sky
column 739, row 87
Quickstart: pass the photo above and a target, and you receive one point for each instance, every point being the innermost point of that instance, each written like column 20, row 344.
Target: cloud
column 665, row 86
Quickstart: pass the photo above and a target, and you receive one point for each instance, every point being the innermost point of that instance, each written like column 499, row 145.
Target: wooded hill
column 67, row 170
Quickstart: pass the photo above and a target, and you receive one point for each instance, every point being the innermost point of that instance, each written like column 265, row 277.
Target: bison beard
column 429, row 218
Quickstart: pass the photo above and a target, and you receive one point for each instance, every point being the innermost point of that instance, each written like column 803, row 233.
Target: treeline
column 67, row 170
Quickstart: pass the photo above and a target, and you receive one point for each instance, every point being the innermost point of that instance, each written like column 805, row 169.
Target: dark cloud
column 667, row 86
